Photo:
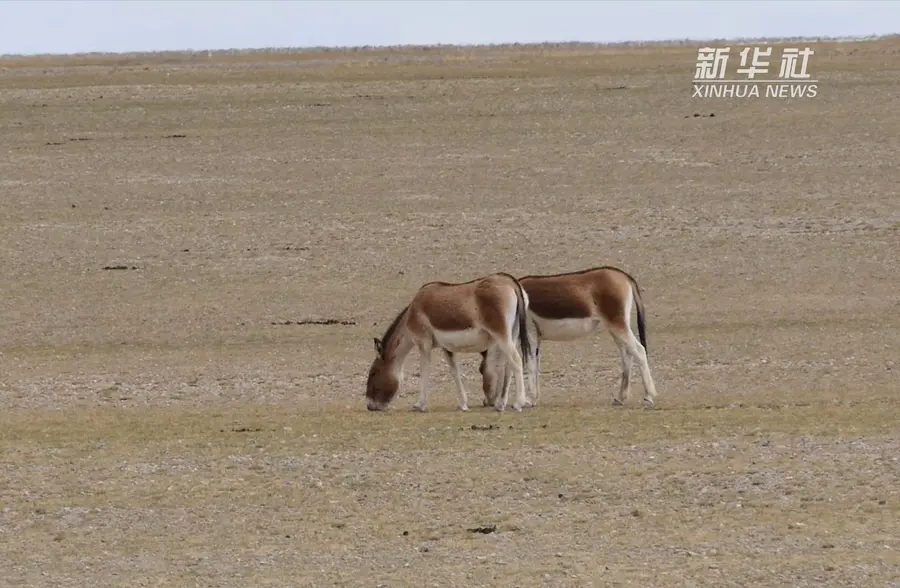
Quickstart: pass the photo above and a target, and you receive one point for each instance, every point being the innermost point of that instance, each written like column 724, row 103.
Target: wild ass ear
column 378, row 346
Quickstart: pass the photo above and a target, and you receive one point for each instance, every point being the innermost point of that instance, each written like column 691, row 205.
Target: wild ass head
column 385, row 372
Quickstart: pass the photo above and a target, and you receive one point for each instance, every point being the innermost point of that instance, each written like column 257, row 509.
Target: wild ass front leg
column 457, row 378
column 424, row 371
column 483, row 369
column 499, row 379
column 493, row 372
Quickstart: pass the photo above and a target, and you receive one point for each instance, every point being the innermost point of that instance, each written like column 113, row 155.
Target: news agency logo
column 793, row 80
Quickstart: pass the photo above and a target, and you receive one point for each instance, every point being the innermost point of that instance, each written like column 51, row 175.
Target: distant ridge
column 445, row 48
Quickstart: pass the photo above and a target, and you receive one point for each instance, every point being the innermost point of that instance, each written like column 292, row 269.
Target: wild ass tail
column 522, row 322
column 641, row 316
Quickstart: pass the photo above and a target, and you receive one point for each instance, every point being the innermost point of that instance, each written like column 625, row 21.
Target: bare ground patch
column 199, row 250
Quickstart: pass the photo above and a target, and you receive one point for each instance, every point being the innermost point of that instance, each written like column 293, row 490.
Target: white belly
column 565, row 329
column 468, row 341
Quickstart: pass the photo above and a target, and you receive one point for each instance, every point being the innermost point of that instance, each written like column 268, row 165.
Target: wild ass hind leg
column 626, row 337
column 536, row 377
column 501, row 385
column 625, row 381
column 463, row 402
column 424, row 371
column 514, row 359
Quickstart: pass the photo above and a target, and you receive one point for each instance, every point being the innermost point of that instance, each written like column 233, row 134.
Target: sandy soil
column 175, row 424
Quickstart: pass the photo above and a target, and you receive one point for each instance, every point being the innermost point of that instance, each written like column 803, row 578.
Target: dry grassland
column 175, row 424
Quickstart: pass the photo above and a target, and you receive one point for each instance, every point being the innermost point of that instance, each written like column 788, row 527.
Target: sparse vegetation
column 201, row 421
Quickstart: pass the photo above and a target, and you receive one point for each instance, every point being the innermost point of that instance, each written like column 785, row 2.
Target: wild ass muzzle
column 489, row 312
column 570, row 306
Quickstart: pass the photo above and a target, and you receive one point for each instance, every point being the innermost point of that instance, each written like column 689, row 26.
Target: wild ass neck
column 397, row 341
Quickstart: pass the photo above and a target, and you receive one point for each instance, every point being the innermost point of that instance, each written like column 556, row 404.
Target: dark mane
column 385, row 340
column 584, row 271
column 510, row 276
column 448, row 283
column 438, row 283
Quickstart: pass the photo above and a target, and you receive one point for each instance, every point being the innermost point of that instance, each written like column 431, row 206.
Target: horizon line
column 685, row 42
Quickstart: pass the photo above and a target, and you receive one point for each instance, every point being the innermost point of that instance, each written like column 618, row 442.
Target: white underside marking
column 566, row 329
column 467, row 341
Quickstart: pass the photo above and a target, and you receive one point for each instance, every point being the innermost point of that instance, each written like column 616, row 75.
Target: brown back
column 455, row 307
column 580, row 294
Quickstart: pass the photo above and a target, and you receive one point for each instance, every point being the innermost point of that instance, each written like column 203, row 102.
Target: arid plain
column 180, row 422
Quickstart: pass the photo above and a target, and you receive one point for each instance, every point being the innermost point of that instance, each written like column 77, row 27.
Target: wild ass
column 489, row 312
column 569, row 306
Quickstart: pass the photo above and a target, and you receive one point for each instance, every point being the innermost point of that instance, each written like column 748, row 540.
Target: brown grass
column 162, row 425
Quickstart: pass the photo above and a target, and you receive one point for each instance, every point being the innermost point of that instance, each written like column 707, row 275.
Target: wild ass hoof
column 648, row 403
column 464, row 408
column 417, row 408
column 617, row 402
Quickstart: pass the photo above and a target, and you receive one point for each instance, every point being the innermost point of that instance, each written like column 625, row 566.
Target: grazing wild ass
column 565, row 307
column 489, row 312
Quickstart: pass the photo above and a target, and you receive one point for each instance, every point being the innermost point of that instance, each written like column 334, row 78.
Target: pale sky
column 72, row 26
